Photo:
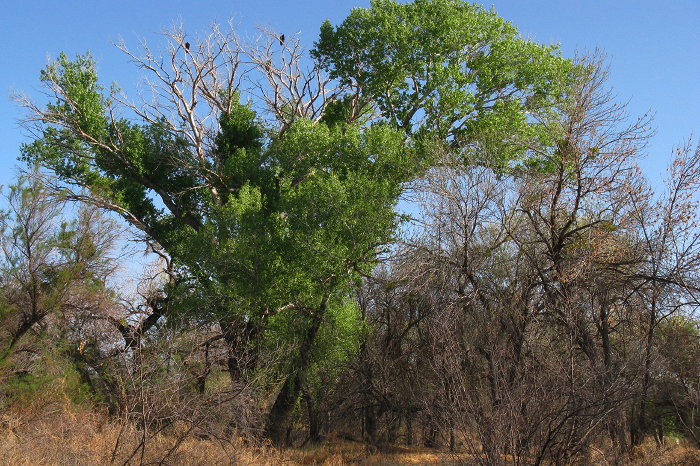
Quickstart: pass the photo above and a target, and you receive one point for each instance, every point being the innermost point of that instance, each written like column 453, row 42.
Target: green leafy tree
column 54, row 269
column 270, row 210
column 50, row 265
column 264, row 228
column 448, row 69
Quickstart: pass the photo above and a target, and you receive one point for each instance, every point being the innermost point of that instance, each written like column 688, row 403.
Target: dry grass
column 335, row 451
column 674, row 453
column 63, row 437
column 56, row 433
column 341, row 452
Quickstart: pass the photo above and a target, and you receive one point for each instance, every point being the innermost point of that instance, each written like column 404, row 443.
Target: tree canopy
column 446, row 69
column 270, row 182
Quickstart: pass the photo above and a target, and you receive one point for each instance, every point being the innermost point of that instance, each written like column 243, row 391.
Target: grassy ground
column 340, row 452
column 57, row 433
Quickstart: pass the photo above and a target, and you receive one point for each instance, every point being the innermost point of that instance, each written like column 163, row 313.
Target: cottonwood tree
column 268, row 230
column 270, row 210
column 444, row 69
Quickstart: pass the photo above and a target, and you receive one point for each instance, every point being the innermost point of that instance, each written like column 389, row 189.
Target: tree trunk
column 640, row 428
column 239, row 337
column 369, row 424
column 409, row 428
column 280, row 414
column 314, row 419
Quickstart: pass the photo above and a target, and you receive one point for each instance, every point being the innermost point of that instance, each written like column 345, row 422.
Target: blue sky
column 653, row 47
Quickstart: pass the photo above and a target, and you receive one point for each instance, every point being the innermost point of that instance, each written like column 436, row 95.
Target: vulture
column 187, row 46
column 282, row 40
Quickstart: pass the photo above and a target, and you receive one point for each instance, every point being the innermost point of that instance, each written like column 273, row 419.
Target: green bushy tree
column 271, row 208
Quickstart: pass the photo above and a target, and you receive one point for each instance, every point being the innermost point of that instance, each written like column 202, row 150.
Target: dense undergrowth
column 49, row 420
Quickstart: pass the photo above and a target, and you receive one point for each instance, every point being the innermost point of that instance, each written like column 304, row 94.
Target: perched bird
column 282, row 39
column 187, row 46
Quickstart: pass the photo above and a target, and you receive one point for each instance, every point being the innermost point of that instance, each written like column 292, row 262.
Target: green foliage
column 337, row 342
column 316, row 209
column 76, row 388
column 84, row 102
column 268, row 230
column 53, row 377
column 447, row 69
column 22, row 388
column 262, row 222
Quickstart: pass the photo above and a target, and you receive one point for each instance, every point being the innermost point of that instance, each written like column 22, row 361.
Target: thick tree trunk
column 280, row 414
column 409, row 429
column 242, row 355
column 369, row 424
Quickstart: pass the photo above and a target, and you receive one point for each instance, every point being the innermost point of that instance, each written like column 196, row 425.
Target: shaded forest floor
column 339, row 452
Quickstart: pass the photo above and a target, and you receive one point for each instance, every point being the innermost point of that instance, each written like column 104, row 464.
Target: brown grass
column 674, row 453
column 58, row 433
column 334, row 452
column 59, row 436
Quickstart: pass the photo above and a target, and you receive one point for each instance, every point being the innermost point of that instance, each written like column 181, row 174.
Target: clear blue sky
column 653, row 47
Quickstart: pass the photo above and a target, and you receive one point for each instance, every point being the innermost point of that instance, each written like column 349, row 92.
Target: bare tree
column 538, row 297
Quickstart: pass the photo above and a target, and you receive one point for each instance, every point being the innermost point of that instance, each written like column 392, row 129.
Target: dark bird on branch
column 187, row 46
column 282, row 39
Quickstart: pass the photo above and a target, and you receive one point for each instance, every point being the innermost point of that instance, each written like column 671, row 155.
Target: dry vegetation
column 89, row 439
column 58, row 434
